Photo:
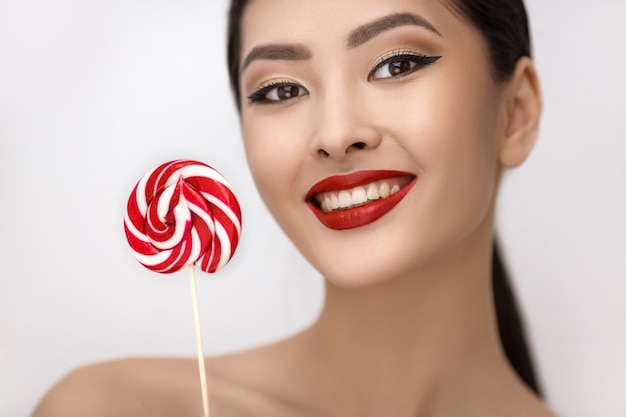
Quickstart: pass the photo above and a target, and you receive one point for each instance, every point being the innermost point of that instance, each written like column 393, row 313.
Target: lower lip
column 362, row 215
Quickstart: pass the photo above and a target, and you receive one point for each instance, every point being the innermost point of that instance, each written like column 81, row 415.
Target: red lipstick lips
column 358, row 215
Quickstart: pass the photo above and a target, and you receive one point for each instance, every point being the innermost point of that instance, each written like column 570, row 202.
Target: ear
column 523, row 111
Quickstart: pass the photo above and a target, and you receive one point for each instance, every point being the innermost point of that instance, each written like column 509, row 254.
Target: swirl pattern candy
column 181, row 213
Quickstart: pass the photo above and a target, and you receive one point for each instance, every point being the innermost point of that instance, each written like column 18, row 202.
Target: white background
column 95, row 93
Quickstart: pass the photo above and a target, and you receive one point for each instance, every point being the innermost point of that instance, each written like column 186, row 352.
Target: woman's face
column 372, row 129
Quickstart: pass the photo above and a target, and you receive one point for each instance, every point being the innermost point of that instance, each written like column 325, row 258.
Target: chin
column 355, row 269
column 356, row 262
column 352, row 279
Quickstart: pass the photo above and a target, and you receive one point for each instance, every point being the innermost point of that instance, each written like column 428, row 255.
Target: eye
column 400, row 64
column 277, row 92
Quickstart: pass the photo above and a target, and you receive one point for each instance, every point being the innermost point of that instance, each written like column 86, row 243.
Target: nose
column 344, row 127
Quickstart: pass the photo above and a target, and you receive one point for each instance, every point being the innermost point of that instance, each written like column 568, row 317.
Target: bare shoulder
column 129, row 387
column 250, row 383
column 275, row 380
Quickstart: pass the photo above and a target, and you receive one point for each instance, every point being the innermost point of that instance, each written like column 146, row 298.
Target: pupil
column 400, row 67
column 287, row 91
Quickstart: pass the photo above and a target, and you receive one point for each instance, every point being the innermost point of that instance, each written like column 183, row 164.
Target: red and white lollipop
column 181, row 213
column 184, row 213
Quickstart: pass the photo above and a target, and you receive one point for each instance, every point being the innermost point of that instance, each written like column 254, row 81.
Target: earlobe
column 523, row 111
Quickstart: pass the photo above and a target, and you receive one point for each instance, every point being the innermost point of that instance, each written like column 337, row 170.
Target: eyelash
column 259, row 95
column 420, row 60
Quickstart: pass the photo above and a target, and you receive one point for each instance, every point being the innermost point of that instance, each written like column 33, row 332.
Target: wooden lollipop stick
column 196, row 317
column 185, row 188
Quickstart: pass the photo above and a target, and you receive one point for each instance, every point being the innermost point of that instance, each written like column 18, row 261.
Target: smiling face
column 372, row 129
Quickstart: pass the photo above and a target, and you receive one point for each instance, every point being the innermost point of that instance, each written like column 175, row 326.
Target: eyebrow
column 370, row 30
column 277, row 52
column 360, row 35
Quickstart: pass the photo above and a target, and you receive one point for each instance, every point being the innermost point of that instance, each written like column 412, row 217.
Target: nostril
column 356, row 146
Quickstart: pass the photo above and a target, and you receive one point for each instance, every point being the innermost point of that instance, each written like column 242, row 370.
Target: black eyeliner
column 258, row 96
column 420, row 60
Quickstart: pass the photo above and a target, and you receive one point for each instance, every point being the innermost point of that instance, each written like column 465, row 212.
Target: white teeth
column 326, row 204
column 372, row 192
column 359, row 196
column 334, row 200
column 384, row 190
column 345, row 199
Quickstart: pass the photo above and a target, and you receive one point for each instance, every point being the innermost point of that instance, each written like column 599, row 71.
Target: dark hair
column 504, row 25
column 233, row 51
column 510, row 325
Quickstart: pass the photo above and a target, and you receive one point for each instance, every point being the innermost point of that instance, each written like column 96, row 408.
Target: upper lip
column 355, row 179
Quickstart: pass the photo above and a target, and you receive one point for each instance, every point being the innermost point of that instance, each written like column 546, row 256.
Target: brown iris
column 286, row 92
column 399, row 67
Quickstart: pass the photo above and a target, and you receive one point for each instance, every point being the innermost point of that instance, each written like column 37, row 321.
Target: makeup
column 349, row 201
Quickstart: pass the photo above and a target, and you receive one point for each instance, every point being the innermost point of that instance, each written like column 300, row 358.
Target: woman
column 377, row 132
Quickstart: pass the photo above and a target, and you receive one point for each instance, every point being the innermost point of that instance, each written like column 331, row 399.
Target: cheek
column 272, row 151
column 469, row 170
column 454, row 139
column 259, row 146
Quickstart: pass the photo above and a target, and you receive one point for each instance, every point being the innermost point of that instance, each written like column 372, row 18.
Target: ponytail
column 510, row 324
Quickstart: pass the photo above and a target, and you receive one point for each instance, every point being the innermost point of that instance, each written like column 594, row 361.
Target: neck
column 402, row 347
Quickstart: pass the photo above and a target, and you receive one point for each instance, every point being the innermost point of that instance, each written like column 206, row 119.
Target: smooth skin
column 408, row 326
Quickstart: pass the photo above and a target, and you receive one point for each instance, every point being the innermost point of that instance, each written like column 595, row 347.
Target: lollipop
column 180, row 213
column 184, row 213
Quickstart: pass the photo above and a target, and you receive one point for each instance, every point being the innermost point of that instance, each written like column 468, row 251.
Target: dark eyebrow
column 368, row 31
column 277, row 52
